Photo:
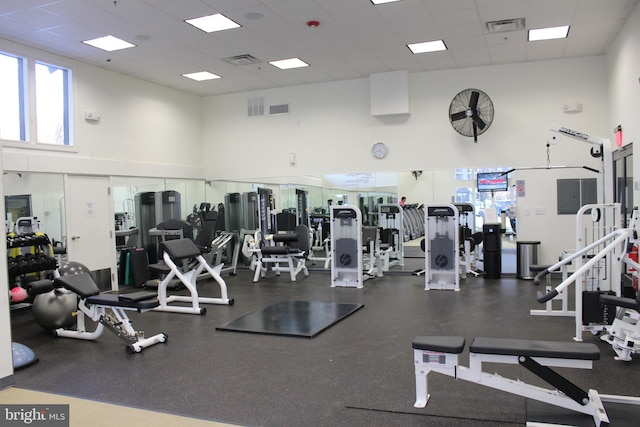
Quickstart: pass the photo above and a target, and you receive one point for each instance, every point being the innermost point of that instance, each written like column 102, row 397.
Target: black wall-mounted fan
column 471, row 113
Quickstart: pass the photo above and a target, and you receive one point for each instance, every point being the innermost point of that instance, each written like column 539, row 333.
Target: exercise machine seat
column 532, row 348
column 180, row 249
column 446, row 344
column 81, row 284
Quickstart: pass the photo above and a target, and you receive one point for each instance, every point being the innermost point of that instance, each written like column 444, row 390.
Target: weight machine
column 390, row 217
column 442, row 249
column 596, row 313
column 346, row 246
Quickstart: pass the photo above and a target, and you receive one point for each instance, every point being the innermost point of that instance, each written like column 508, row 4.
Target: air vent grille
column 278, row 109
column 505, row 25
column 244, row 59
column 255, row 107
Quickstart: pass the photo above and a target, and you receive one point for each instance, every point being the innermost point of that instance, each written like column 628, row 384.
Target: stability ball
column 23, row 356
column 72, row 267
column 55, row 309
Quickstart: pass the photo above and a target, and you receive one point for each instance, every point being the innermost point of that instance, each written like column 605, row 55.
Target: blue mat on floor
column 292, row 318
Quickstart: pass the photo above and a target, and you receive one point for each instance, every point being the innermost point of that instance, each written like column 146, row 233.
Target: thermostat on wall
column 92, row 115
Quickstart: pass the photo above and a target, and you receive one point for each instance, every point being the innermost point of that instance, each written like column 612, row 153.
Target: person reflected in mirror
column 512, row 217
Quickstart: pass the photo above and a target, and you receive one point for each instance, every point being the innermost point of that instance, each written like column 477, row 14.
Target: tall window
column 12, row 105
column 52, row 104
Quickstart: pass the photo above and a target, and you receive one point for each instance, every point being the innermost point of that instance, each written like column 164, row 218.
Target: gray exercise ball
column 72, row 267
column 55, row 309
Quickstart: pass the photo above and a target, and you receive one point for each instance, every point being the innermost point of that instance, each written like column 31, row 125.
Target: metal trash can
column 526, row 256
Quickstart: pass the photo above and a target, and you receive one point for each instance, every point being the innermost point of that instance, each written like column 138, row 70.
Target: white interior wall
column 623, row 88
column 331, row 130
column 146, row 129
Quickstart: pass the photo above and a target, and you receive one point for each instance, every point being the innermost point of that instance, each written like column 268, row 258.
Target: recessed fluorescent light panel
column 212, row 23
column 285, row 64
column 549, row 33
column 383, row 1
column 109, row 43
column 201, row 76
column 425, row 47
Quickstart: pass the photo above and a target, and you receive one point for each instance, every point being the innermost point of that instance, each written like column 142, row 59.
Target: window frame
column 67, row 103
column 28, row 94
column 23, row 96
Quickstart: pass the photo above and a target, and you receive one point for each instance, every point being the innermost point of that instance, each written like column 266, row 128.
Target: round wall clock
column 379, row 150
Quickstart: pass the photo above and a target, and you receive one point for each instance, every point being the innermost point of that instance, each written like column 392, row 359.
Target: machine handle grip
column 548, row 296
column 543, row 273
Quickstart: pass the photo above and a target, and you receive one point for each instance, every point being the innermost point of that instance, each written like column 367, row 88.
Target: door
column 90, row 225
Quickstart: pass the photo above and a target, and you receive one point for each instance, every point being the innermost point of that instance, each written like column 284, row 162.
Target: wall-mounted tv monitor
column 492, row 181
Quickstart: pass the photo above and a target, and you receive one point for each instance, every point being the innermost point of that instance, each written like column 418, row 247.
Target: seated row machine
column 440, row 354
column 109, row 310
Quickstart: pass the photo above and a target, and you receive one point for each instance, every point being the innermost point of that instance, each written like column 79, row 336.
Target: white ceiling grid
column 354, row 39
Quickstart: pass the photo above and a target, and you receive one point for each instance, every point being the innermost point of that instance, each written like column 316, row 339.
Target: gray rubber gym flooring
column 358, row 372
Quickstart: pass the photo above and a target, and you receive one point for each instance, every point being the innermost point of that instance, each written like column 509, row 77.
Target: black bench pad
column 279, row 250
column 629, row 303
column 180, row 249
column 446, row 344
column 136, row 296
column 550, row 349
column 285, row 238
column 81, row 284
column 116, row 301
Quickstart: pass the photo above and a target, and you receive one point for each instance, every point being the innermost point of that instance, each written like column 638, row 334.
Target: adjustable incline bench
column 440, row 354
column 109, row 310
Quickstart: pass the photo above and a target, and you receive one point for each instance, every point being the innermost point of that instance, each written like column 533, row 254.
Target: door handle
column 75, row 237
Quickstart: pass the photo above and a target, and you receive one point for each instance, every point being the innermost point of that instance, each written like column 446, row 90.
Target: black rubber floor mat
column 292, row 318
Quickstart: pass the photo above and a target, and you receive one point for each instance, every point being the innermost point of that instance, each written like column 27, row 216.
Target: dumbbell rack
column 22, row 268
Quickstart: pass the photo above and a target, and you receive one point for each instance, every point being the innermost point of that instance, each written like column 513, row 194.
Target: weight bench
column 440, row 354
column 174, row 252
column 293, row 253
column 109, row 310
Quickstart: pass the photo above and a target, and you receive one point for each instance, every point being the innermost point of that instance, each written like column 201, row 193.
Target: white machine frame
column 612, row 249
column 593, row 222
column 174, row 253
column 346, row 225
column 601, row 147
column 468, row 256
column 446, row 277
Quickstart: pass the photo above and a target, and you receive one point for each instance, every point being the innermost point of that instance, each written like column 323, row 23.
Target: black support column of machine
column 492, row 251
